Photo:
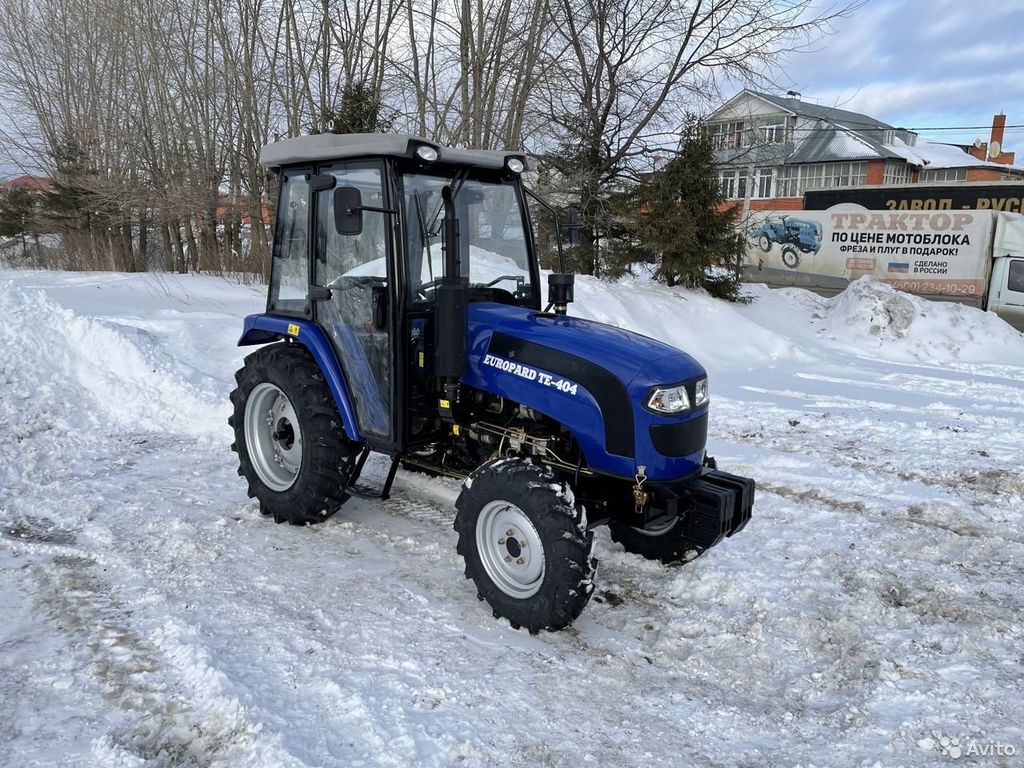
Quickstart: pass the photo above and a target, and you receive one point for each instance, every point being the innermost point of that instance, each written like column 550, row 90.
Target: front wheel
column 291, row 446
column 790, row 257
column 526, row 544
column 764, row 243
column 664, row 540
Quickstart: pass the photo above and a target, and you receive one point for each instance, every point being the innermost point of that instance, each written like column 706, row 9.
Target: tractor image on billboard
column 795, row 235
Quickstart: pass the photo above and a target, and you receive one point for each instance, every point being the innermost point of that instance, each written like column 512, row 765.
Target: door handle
column 380, row 307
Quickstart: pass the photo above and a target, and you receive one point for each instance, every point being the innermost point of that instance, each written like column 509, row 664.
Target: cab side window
column 289, row 274
column 1015, row 276
column 361, row 255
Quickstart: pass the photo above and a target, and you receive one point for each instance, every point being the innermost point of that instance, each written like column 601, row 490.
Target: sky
column 921, row 64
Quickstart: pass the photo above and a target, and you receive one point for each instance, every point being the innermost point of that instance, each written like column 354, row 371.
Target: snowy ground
column 149, row 616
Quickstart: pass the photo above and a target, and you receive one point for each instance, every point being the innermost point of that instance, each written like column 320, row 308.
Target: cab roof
column 325, row 147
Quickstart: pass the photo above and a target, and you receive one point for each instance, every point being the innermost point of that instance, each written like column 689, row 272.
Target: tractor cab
column 359, row 250
column 405, row 317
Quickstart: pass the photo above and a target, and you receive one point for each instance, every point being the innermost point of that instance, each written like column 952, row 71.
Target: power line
column 866, row 127
column 958, row 128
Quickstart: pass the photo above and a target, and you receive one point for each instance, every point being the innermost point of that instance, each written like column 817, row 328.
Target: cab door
column 1008, row 290
column 357, row 271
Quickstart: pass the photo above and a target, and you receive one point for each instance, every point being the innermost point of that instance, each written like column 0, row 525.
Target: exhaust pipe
column 450, row 326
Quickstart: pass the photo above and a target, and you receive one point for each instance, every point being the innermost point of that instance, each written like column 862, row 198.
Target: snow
column 484, row 266
column 846, row 143
column 152, row 617
column 934, row 154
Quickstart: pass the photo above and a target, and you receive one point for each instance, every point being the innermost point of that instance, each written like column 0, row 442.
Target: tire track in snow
column 175, row 713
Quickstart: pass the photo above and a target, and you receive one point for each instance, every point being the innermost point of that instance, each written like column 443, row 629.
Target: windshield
column 493, row 245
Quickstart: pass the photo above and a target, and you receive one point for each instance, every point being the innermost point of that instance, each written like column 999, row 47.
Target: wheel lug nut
column 520, row 561
column 522, row 544
column 508, row 558
column 501, row 540
column 509, row 532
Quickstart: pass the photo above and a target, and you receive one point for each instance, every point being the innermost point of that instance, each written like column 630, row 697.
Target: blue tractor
column 795, row 235
column 404, row 317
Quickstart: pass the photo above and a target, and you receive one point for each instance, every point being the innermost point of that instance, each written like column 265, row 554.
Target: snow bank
column 61, row 369
column 715, row 332
column 873, row 319
column 868, row 319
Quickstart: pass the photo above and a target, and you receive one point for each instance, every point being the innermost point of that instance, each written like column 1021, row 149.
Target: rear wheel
column 664, row 541
column 291, row 446
column 526, row 544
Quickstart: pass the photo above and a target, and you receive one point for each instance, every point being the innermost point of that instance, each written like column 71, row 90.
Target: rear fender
column 264, row 329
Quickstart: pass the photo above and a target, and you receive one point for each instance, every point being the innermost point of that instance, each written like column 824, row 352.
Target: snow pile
column 872, row 317
column 715, row 332
column 59, row 369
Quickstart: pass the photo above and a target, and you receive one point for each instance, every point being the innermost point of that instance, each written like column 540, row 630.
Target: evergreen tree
column 16, row 208
column 675, row 216
column 359, row 111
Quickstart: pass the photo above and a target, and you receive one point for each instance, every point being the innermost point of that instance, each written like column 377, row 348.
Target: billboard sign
column 923, row 197
column 935, row 252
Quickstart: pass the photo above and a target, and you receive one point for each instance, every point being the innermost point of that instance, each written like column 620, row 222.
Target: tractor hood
column 625, row 354
column 590, row 376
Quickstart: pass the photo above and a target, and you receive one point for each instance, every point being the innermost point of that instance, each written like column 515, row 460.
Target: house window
column 896, row 173
column 797, row 179
column 733, row 183
column 727, row 183
column 943, row 174
column 773, row 131
column 727, row 135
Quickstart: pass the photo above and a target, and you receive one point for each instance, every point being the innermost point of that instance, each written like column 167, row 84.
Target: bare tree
column 630, row 66
column 150, row 115
column 472, row 65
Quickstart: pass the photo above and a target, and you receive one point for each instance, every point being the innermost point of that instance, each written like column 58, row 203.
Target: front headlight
column 701, row 393
column 669, row 400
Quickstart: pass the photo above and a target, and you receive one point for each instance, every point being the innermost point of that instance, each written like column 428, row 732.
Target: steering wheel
column 421, row 290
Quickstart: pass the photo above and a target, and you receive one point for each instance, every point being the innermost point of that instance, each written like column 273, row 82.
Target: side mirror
column 574, row 226
column 348, row 211
column 322, row 182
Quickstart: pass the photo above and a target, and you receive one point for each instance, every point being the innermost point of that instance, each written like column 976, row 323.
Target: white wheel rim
column 273, row 439
column 510, row 549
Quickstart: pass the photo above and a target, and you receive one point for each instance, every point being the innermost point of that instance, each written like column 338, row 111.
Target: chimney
column 998, row 125
column 996, row 142
column 796, row 95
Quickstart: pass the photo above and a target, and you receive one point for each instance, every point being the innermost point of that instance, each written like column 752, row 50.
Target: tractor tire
column 290, row 442
column 790, row 257
column 764, row 243
column 665, row 543
column 526, row 544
